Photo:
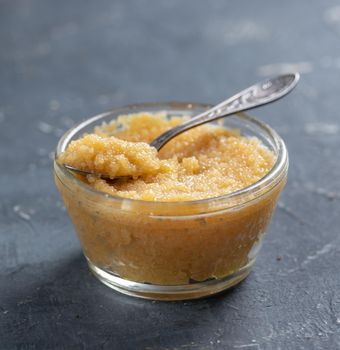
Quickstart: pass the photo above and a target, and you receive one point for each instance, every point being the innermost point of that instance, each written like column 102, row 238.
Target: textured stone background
column 62, row 61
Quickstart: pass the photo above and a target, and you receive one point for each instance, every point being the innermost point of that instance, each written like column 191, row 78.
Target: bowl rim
column 263, row 185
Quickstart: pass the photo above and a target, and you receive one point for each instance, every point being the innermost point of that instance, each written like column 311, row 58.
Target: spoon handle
column 256, row 95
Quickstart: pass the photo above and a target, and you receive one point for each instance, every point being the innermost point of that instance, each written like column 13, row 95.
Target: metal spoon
column 254, row 96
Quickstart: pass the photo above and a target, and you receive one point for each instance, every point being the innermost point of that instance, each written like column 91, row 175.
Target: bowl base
column 181, row 292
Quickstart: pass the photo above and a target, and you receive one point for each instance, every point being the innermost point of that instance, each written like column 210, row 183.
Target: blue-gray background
column 62, row 61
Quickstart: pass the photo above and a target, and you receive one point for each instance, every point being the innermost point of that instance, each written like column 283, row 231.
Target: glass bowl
column 173, row 250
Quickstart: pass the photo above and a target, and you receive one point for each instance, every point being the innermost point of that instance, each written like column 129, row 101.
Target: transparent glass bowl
column 173, row 250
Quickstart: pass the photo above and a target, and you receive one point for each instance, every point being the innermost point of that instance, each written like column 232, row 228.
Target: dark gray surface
column 61, row 61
